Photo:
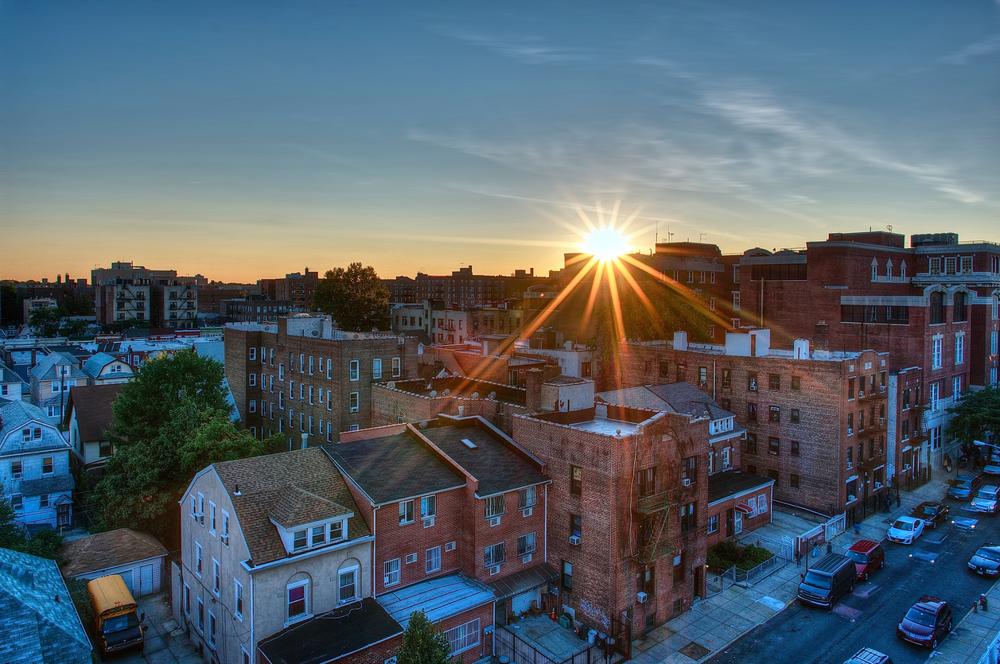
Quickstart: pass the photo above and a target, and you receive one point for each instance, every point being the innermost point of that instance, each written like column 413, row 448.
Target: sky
column 249, row 139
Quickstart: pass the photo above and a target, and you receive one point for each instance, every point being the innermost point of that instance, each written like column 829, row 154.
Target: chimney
column 533, row 383
column 680, row 340
column 305, row 440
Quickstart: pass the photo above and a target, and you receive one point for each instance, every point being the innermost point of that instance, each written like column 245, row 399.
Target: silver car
column 986, row 499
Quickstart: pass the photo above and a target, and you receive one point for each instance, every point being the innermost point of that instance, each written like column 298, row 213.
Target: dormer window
column 300, row 540
column 317, row 535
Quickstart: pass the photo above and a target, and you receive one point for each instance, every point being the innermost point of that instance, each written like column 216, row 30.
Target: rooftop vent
column 468, row 443
column 236, row 491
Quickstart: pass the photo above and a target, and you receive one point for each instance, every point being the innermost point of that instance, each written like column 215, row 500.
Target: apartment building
column 932, row 305
column 295, row 288
column 417, row 400
column 462, row 288
column 816, row 421
column 132, row 294
column 267, row 544
column 35, row 472
column 301, row 376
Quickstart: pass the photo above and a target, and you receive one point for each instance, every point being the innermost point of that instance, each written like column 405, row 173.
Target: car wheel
column 934, row 644
column 867, row 576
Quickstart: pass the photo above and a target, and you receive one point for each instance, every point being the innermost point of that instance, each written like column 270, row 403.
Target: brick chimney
column 533, row 379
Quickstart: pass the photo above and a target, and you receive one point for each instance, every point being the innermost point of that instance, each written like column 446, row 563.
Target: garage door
column 521, row 603
column 145, row 580
column 129, row 575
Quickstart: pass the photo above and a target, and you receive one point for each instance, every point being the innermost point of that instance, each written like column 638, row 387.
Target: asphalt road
column 868, row 616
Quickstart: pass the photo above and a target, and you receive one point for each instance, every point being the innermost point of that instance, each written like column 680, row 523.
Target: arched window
column 888, row 268
column 959, row 309
column 937, row 307
column 874, row 270
column 902, row 269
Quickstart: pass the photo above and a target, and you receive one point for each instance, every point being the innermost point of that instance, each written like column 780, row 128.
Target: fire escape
column 651, row 540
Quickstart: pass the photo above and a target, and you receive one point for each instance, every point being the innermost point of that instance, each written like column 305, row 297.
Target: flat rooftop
column 607, row 426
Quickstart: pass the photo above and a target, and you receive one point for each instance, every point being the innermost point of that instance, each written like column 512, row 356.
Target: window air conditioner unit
column 906, row 466
column 428, row 521
column 878, row 485
column 494, row 569
column 494, row 521
column 526, row 558
column 574, row 540
column 527, row 511
column 861, row 394
column 881, row 420
column 851, row 499
column 641, row 597
column 686, row 482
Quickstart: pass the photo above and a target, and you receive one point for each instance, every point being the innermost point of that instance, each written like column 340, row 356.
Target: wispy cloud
column 528, row 49
column 977, row 49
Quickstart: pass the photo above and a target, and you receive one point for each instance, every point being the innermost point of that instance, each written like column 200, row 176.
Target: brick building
column 296, row 288
column 462, row 289
column 931, row 305
column 816, row 421
column 300, row 376
column 417, row 400
column 132, row 294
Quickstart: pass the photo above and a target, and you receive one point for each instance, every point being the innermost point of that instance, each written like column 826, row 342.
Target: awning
column 743, row 507
column 527, row 579
column 907, row 448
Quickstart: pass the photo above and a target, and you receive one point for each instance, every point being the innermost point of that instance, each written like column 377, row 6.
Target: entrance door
column 699, row 581
column 737, row 522
column 730, row 520
column 63, row 519
column 145, row 580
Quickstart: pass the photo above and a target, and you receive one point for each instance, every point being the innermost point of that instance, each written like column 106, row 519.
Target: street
column 935, row 565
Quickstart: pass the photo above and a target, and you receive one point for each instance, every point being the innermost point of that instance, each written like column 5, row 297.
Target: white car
column 905, row 530
column 986, row 500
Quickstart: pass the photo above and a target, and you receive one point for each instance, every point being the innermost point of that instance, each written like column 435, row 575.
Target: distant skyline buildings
column 238, row 139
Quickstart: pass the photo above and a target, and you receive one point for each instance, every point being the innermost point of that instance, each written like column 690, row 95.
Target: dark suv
column 932, row 513
column 964, row 487
column 827, row 581
column 926, row 623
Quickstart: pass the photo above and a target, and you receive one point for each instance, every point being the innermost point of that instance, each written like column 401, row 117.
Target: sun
column 606, row 243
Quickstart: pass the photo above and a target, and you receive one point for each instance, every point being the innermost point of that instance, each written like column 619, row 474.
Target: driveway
column 165, row 642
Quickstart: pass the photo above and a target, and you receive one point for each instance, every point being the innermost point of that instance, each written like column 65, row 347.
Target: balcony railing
column 653, row 503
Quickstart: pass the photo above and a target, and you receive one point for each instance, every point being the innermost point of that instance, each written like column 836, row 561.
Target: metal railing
column 760, row 572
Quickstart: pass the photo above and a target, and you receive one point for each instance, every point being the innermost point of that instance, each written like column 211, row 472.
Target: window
column 253, row 353
column 713, row 524
column 187, row 600
column 354, row 373
column 575, row 481
column 355, row 402
column 689, row 469
column 225, row 527
column 43, row 500
column 751, row 381
column 689, row 517
column 237, row 599
column 646, row 481
column 432, row 560
column 935, row 395
column 956, row 387
column 197, row 559
column 428, row 507
column 664, row 369
column 959, row 348
column 253, row 380
column 936, row 308
column 774, row 381
column 773, row 446
column 793, row 481
column 794, row 448
column 216, row 577
column 405, row 512
column 17, row 502
column 702, row 376
column 751, row 412
column 679, row 567
column 850, row 387
column 396, row 367
column 390, row 569
column 464, row 637
column 936, row 346
column 796, row 383
column 750, row 444
column 794, row 416
column 201, row 615
column 850, row 424
column 774, row 414
column 16, row 471
column 736, row 300
column 526, row 544
column 526, row 498
column 727, row 379
column 376, row 368
column 566, row 576
column 47, row 466
column 297, row 595
column 347, row 584
column 495, row 506
column 576, row 525
column 495, row 554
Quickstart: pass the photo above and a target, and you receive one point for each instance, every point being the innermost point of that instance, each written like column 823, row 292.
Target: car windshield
column 903, row 525
column 857, row 556
column 986, row 495
column 920, row 617
column 119, row 623
column 989, row 554
column 818, row 580
column 929, row 510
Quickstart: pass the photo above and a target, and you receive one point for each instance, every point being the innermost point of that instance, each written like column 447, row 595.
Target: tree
column 422, row 643
column 976, row 416
column 44, row 543
column 355, row 297
column 45, row 322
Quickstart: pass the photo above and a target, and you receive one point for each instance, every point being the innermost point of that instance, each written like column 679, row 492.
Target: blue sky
column 250, row 139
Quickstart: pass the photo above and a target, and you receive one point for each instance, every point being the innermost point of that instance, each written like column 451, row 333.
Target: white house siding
column 131, row 573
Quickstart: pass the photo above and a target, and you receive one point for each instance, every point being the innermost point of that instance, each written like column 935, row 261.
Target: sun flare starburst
column 606, row 243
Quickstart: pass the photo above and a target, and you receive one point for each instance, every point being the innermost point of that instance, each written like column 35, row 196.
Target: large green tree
column 44, row 543
column 422, row 643
column 976, row 416
column 355, row 297
column 45, row 322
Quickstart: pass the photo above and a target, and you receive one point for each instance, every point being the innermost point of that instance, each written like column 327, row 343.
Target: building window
column 774, row 381
column 396, row 367
column 566, row 577
column 201, row 616
column 347, row 584
column 794, row 416
column 355, row 402
column 238, row 599
column 432, row 560
column 576, row 525
column 702, row 376
column 495, row 554
column 405, row 512
column 526, row 544
column 773, row 446
column 751, row 412
column 47, row 466
column 736, row 300
column 495, row 506
column 216, row 577
column 526, row 498
column 428, row 507
column 462, row 638
column 689, row 517
column 16, row 471
column 796, row 383
column 936, row 308
column 376, row 368
column 750, row 444
column 355, row 370
column 936, row 347
column 689, row 469
column 198, row 559
column 713, row 524
column 956, row 387
column 17, row 502
column 297, row 595
column 575, row 481
column 794, row 448
column 727, row 379
column 959, row 348
column 663, row 369
column 679, row 568
column 774, row 414
column 646, row 481
column 390, row 569
column 751, row 381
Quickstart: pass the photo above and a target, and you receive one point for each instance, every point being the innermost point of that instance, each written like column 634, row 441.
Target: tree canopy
column 422, row 643
column 976, row 416
column 45, row 543
column 355, row 297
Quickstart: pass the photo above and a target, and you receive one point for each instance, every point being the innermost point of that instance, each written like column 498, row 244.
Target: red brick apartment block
column 301, row 376
column 816, row 421
column 452, row 496
column 931, row 306
column 625, row 528
column 418, row 399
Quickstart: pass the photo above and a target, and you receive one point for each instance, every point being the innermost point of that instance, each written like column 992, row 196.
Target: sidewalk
column 715, row 622
column 968, row 641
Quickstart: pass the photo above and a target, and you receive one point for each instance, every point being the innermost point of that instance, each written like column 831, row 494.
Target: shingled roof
column 109, row 549
column 268, row 483
column 93, row 406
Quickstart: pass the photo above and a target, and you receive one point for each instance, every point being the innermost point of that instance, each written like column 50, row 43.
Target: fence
column 716, row 583
column 519, row 651
column 824, row 532
column 783, row 548
column 760, row 572
column 992, row 654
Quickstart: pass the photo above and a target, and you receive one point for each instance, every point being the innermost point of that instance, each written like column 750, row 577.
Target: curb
column 934, row 654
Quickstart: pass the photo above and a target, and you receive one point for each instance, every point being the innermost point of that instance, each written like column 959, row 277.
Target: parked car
column 986, row 560
column 965, row 523
column 869, row 656
column 986, row 499
column 827, row 581
column 964, row 486
column 905, row 530
column 931, row 513
column 868, row 556
column 926, row 623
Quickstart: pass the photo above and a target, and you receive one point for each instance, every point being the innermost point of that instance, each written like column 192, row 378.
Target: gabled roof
column 46, row 485
column 96, row 363
column 8, row 375
column 394, row 467
column 681, row 397
column 495, row 462
column 263, row 484
column 294, row 506
column 14, row 416
column 93, row 405
column 109, row 549
column 45, row 369
column 40, row 624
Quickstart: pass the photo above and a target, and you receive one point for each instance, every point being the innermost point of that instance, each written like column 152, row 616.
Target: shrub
column 726, row 554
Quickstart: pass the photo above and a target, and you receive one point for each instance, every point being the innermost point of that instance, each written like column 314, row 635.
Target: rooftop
column 394, row 467
column 439, row 598
column 109, row 549
column 332, row 635
column 462, row 388
column 732, row 483
column 93, row 405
